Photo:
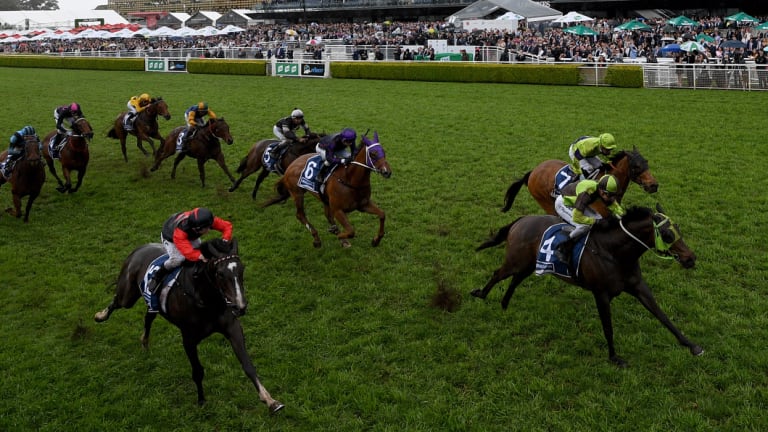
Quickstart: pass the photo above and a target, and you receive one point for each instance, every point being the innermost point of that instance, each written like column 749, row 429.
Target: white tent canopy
column 572, row 17
column 511, row 16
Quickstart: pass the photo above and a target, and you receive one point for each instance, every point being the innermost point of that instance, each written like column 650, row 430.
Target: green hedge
column 59, row 62
column 624, row 76
column 459, row 72
column 227, row 67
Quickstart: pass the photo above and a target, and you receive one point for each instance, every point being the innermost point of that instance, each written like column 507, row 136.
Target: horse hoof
column 346, row 244
column 618, row 361
column 275, row 407
column 477, row 293
column 100, row 316
column 697, row 350
column 61, row 189
column 317, row 244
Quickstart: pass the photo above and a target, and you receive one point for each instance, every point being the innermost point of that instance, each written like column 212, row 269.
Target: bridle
column 369, row 162
column 660, row 247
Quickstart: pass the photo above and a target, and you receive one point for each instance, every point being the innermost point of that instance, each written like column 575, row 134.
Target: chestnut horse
column 347, row 189
column 145, row 126
column 609, row 264
column 27, row 177
column 254, row 161
column 626, row 166
column 219, row 284
column 74, row 155
column 203, row 146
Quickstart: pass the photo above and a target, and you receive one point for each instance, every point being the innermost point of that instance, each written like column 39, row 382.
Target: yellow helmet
column 607, row 141
column 144, row 97
column 608, row 184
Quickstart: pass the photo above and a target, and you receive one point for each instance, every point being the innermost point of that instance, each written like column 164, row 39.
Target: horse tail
column 112, row 133
column 514, row 188
column 499, row 238
column 243, row 165
column 282, row 196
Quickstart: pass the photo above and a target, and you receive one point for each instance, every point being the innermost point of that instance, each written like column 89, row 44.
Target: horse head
column 225, row 272
column 82, row 128
column 220, row 129
column 375, row 157
column 655, row 231
column 160, row 107
column 637, row 169
column 33, row 148
column 670, row 241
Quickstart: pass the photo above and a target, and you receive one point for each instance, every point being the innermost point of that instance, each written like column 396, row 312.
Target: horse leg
column 298, row 199
column 176, row 161
column 644, row 295
column 262, row 175
column 237, row 340
column 498, row 275
column 349, row 230
column 375, row 210
column 148, row 319
column 30, row 199
column 223, row 165
column 80, row 175
column 198, row 372
column 603, row 302
column 52, row 170
column 201, row 170
column 516, row 280
column 104, row 314
column 140, row 146
column 122, row 136
column 16, row 211
column 67, row 180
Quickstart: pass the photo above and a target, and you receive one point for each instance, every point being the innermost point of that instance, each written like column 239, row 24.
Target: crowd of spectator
column 409, row 40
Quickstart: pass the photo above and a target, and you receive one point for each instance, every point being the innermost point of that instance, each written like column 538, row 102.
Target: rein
column 660, row 249
column 368, row 162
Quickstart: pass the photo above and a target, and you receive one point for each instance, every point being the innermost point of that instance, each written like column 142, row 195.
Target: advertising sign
column 165, row 65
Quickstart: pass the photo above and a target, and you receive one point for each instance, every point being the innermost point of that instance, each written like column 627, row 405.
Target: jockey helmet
column 297, row 113
column 200, row 218
column 202, row 106
column 607, row 142
column 28, row 130
column 348, row 134
column 74, row 107
column 608, row 184
column 144, row 97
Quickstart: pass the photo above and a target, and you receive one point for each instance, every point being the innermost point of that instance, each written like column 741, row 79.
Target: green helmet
column 608, row 184
column 607, row 141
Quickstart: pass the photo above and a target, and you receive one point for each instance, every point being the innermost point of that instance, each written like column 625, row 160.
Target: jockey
column 16, row 149
column 284, row 131
column 589, row 153
column 195, row 119
column 181, row 239
column 136, row 105
column 573, row 205
column 337, row 148
column 70, row 113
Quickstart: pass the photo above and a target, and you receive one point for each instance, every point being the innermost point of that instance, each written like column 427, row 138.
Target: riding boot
column 128, row 125
column 277, row 149
column 157, row 279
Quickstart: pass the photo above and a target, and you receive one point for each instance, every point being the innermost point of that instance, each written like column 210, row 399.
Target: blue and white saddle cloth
column 547, row 262
column 162, row 292
column 270, row 163
column 309, row 178
column 563, row 178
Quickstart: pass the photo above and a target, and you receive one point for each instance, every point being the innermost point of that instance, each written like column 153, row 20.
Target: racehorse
column 27, row 177
column 348, row 188
column 203, row 146
column 254, row 161
column 219, row 286
column 145, row 126
column 609, row 263
column 74, row 155
column 626, row 166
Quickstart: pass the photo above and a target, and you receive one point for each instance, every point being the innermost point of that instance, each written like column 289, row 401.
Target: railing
column 655, row 75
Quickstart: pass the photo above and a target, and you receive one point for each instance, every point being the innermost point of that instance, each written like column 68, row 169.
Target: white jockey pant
column 566, row 213
column 175, row 257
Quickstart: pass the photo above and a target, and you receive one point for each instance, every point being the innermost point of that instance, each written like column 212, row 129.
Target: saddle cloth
column 547, row 262
column 270, row 163
column 563, row 178
column 309, row 178
column 168, row 282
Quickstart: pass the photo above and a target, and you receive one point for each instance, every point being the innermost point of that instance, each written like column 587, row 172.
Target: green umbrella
column 742, row 17
column 581, row 31
column 682, row 21
column 689, row 46
column 633, row 25
column 705, row 37
column 763, row 26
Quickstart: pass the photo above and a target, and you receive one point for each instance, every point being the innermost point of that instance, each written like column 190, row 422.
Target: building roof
column 22, row 20
column 532, row 11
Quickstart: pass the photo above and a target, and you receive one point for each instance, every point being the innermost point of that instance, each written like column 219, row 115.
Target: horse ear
column 376, row 136
column 234, row 246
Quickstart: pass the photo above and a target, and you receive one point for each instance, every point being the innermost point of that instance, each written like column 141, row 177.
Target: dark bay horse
column 219, row 284
column 609, row 264
column 348, row 189
column 203, row 146
column 145, row 126
column 74, row 155
column 626, row 166
column 254, row 161
column 27, row 177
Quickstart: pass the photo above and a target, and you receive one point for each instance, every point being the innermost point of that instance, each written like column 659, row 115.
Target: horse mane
column 634, row 213
column 216, row 247
column 634, row 158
